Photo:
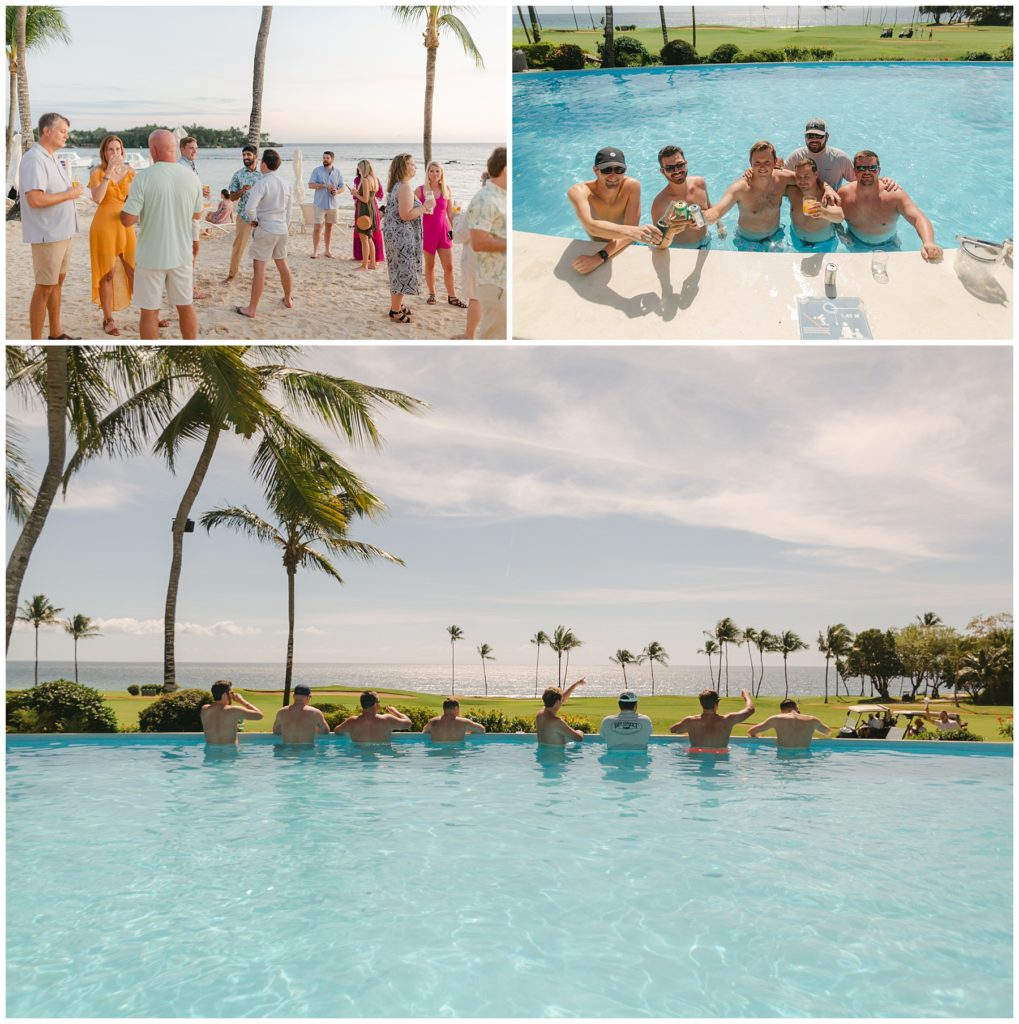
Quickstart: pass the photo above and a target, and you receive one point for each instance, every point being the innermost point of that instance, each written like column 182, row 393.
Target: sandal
column 62, row 337
column 431, row 298
column 111, row 328
column 403, row 317
column 454, row 301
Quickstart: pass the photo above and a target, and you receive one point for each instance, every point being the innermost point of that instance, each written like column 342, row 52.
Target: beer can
column 829, row 274
column 694, row 215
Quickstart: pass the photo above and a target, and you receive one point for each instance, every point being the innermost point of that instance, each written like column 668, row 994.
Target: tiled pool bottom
column 148, row 877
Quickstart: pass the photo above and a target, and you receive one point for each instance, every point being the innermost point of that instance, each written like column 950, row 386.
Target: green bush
column 761, row 57
column 537, row 54
column 679, row 51
column 724, row 54
column 567, row 57
column 175, row 712
column 976, row 55
column 1006, row 54
column 59, row 706
column 796, row 53
column 957, row 735
column 584, row 725
column 1005, row 727
column 630, row 53
column 134, row 690
column 820, row 53
column 337, row 713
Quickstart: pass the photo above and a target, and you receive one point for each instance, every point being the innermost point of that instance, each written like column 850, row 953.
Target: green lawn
column 850, row 42
column 663, row 711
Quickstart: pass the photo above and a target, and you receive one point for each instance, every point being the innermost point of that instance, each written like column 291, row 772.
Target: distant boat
column 137, row 161
column 71, row 158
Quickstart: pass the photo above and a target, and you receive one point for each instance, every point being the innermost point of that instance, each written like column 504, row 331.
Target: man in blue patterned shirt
column 240, row 185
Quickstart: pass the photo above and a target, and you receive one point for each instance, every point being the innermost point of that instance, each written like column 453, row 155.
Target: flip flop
column 110, row 327
column 431, row 298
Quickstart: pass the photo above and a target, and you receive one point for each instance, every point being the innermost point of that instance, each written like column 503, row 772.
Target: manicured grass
column 663, row 711
column 850, row 42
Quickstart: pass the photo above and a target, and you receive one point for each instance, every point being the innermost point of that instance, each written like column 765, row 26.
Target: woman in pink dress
column 380, row 253
column 438, row 234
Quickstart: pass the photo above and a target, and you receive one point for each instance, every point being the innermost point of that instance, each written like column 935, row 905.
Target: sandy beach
column 333, row 299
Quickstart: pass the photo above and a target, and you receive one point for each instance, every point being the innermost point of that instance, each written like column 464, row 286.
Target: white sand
column 333, row 299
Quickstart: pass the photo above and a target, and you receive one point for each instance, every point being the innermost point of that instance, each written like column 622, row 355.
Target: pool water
column 942, row 130
column 148, row 877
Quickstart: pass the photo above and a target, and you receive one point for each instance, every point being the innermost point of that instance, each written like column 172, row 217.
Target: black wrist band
column 604, row 255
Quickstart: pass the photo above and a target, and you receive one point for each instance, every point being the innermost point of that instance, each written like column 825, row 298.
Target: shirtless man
column 792, row 729
column 672, row 163
column 370, row 726
column 815, row 226
column 709, row 731
column 449, row 727
column 300, row 722
column 760, row 201
column 873, row 214
column 608, row 209
column 833, row 165
column 221, row 718
column 551, row 729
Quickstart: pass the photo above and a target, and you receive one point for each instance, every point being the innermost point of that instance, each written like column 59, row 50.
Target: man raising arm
column 793, row 730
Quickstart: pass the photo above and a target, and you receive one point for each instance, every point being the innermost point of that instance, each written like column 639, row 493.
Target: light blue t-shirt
column 165, row 197
column 320, row 176
column 39, row 170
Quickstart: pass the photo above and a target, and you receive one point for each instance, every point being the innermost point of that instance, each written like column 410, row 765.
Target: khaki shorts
column 268, row 247
column 329, row 216
column 50, row 260
column 149, row 285
column 196, row 227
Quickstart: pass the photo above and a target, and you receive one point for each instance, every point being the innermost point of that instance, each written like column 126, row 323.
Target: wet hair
column 666, row 151
column 49, row 120
column 186, row 140
column 758, row 146
column 398, row 170
column 329, row 152
column 103, row 161
column 870, row 153
column 806, row 160
column 220, row 687
column 249, row 148
column 551, row 696
column 449, row 703
column 369, row 699
column 497, row 162
column 787, row 705
column 709, row 699
column 271, row 159
column 443, row 187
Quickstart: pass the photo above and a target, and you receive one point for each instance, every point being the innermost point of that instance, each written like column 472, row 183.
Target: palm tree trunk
column 711, row 671
column 484, row 674
column 535, row 28
column 452, row 662
column 665, row 31
column 608, row 56
column 560, row 668
column 785, row 669
column 429, row 95
column 725, row 648
column 12, row 67
column 693, row 17
column 575, row 22
column 566, row 671
column 24, row 107
column 826, row 680
column 179, row 522
column 652, row 678
column 288, row 676
column 258, row 78
column 37, row 654
column 56, row 429
column 623, row 667
column 527, row 33
column 536, row 671
column 750, row 655
column 75, row 659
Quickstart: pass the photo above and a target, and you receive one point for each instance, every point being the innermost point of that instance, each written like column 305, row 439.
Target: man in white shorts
column 327, row 184
column 164, row 201
column 269, row 212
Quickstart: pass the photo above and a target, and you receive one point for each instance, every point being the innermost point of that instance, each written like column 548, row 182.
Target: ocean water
column 707, row 111
column 153, row 877
column 503, row 680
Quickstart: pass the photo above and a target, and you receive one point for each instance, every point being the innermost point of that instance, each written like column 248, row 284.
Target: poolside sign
column 832, row 319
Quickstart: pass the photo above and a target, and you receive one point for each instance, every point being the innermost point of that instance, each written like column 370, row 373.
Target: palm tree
column 929, row 619
column 198, row 392
column 258, row 78
column 437, row 20
column 622, row 658
column 835, row 642
column 24, row 108
column 765, row 642
column 608, row 54
column 788, row 643
column 486, row 655
column 523, row 23
column 300, row 528
column 726, row 632
column 43, row 25
column 455, row 633
column 535, row 25
column 39, row 612
column 693, row 18
column 749, row 637
column 655, row 652
column 539, row 640
column 19, row 483
column 562, row 642
column 572, row 643
column 710, row 648
column 665, row 31
column 81, row 627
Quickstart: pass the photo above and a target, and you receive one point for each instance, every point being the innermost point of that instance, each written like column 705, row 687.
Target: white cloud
column 147, row 627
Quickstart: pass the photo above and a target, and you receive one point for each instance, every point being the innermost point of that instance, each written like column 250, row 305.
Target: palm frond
column 242, row 520
column 191, row 422
column 457, row 28
column 358, row 550
column 314, row 560
column 20, row 477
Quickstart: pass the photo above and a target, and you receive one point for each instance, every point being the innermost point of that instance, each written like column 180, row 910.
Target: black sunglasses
column 669, row 168
column 612, row 170
column 860, row 168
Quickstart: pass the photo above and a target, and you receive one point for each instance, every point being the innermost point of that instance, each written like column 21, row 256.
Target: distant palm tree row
column 726, row 632
column 39, row 611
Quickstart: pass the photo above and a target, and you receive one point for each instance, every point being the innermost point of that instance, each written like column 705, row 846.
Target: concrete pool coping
column 695, row 294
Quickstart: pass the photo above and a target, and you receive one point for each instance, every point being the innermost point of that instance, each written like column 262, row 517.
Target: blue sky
column 633, row 493
column 333, row 73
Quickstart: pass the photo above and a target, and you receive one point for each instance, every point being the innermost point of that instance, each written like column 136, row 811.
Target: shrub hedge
column 175, row 712
column 537, row 54
column 724, row 54
column 630, row 53
column 1006, row 54
column 59, row 706
column 134, row 689
column 679, row 51
column 761, row 57
column 567, row 57
column 976, row 55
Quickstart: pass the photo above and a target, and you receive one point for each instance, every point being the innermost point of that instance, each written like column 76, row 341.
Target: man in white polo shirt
column 269, row 212
column 49, row 222
column 165, row 199
column 627, row 730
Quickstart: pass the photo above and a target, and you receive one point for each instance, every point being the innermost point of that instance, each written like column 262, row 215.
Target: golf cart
column 858, row 724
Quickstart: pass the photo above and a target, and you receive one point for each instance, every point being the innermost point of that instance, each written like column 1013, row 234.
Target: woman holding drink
column 401, row 228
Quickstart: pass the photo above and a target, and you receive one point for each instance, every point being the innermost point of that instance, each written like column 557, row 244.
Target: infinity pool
column 148, row 877
column 942, row 130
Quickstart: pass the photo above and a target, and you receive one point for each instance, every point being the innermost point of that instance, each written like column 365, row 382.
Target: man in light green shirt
column 164, row 201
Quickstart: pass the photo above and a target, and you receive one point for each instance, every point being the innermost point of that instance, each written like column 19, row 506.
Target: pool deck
column 684, row 294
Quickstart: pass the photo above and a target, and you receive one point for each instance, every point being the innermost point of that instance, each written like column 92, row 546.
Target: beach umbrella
column 298, row 176
column 15, row 164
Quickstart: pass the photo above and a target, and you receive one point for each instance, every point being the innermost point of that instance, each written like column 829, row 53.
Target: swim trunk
column 813, row 237
column 758, row 236
column 872, row 239
column 708, row 750
column 50, row 260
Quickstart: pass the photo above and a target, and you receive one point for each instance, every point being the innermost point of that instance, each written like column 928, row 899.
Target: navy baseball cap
column 609, row 155
column 302, row 690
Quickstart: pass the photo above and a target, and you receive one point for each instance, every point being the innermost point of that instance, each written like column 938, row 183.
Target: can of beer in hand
column 694, row 215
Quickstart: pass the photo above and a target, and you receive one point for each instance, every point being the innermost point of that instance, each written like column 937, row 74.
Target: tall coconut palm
column 486, row 655
column 300, row 530
column 535, row 24
column 437, row 20
column 622, row 658
column 24, row 107
column 200, row 392
column 39, row 612
column 81, row 627
column 43, row 26
column 693, row 19
column 788, row 643
column 455, row 633
column 258, row 78
column 608, row 54
column 929, row 619
column 655, row 652
column 749, row 637
column 710, row 648
column 726, row 632
column 572, row 643
column 539, row 640
column 835, row 642
column 563, row 641
column 523, row 24
column 665, row 31
column 765, row 642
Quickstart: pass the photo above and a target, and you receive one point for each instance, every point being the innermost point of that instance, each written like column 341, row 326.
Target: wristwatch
column 604, row 255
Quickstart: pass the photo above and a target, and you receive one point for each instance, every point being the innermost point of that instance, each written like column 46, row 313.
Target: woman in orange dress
column 111, row 245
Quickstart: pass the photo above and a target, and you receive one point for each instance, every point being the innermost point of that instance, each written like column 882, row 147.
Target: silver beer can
column 694, row 215
column 829, row 274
